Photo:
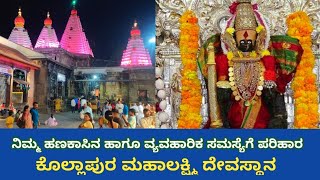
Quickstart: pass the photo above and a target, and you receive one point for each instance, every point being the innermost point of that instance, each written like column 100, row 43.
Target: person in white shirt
column 140, row 114
column 109, row 106
column 51, row 121
column 148, row 106
column 83, row 102
column 73, row 105
column 135, row 107
column 119, row 107
column 132, row 121
column 87, row 109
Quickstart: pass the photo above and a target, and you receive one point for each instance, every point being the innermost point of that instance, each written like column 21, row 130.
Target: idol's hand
column 210, row 47
column 211, row 55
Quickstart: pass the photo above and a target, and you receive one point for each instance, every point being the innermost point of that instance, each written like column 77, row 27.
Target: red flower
column 255, row 7
column 233, row 7
column 270, row 75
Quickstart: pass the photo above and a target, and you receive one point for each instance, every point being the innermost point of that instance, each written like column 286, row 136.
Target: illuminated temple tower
column 136, row 55
column 48, row 37
column 19, row 34
column 53, row 80
column 74, row 39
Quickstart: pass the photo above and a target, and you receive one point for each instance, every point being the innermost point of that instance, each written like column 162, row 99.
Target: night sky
column 107, row 23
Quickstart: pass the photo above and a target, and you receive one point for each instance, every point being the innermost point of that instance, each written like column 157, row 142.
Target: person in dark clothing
column 35, row 115
column 118, row 119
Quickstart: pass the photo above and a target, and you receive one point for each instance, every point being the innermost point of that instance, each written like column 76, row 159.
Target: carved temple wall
column 117, row 84
column 54, row 78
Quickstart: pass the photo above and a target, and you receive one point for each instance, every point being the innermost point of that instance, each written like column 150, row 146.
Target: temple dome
column 74, row 12
column 19, row 20
column 135, row 30
column 48, row 21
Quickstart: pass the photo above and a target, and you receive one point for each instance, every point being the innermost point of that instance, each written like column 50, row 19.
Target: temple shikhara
column 74, row 39
column 135, row 53
column 48, row 37
column 19, row 34
column 57, row 69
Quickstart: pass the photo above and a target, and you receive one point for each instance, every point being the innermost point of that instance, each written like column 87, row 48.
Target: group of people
column 4, row 110
column 111, row 115
column 114, row 119
column 119, row 115
column 77, row 104
column 28, row 118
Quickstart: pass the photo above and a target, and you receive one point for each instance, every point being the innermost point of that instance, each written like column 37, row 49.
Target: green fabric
column 285, row 54
column 202, row 61
column 247, row 116
column 289, row 56
column 203, row 54
column 284, row 38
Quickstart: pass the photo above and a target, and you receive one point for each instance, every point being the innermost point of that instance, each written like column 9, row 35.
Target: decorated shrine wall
column 48, row 85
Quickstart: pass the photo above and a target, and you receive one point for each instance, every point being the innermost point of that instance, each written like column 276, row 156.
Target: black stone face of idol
column 246, row 45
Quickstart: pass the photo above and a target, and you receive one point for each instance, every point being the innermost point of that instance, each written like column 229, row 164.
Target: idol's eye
column 242, row 42
column 249, row 42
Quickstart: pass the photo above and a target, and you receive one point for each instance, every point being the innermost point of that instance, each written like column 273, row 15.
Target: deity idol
column 247, row 70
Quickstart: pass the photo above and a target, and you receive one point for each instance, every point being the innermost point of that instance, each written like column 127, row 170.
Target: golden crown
column 245, row 18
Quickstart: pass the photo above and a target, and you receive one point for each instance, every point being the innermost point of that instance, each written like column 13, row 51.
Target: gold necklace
column 246, row 78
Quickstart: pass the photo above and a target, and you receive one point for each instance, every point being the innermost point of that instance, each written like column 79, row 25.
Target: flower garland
column 304, row 83
column 190, row 106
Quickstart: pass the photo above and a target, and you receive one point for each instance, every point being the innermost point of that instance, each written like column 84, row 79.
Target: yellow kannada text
column 183, row 166
column 99, row 167
column 239, row 165
column 94, row 166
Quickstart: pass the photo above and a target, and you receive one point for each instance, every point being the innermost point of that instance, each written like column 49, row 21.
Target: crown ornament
column 244, row 1
column 245, row 18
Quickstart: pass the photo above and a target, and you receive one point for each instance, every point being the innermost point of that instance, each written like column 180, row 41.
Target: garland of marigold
column 304, row 83
column 191, row 98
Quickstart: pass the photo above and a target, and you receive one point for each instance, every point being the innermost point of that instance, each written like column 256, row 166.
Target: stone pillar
column 31, row 81
column 41, row 91
column 10, row 88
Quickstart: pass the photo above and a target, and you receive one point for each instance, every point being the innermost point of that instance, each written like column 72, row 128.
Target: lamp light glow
column 152, row 40
column 74, row 2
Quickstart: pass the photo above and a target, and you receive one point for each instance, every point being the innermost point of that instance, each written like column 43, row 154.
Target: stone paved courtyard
column 65, row 120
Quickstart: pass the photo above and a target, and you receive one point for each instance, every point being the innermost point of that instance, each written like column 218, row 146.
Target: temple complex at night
column 53, row 69
column 132, row 81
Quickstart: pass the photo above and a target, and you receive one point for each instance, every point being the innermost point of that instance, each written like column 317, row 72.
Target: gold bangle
column 223, row 84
